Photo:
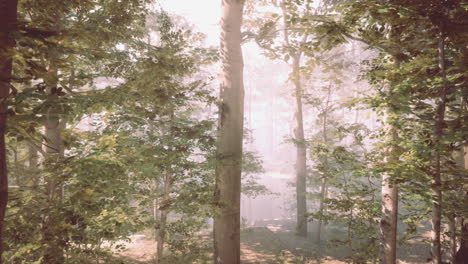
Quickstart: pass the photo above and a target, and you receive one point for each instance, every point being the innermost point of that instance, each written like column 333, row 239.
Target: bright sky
column 204, row 14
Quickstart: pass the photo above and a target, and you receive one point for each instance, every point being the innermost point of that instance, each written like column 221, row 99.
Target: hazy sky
column 204, row 14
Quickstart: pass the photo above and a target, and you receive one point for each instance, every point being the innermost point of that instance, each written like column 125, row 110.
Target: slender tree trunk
column 301, row 157
column 53, row 145
column 17, row 167
column 452, row 224
column 54, row 152
column 8, row 14
column 301, row 153
column 229, row 149
column 155, row 211
column 52, row 237
column 436, row 184
column 389, row 220
column 323, row 187
column 161, row 230
column 350, row 240
column 33, row 181
column 323, row 191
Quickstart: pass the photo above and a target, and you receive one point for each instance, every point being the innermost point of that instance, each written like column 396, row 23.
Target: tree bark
column 389, row 220
column 452, row 224
column 8, row 22
column 436, row 183
column 462, row 254
column 461, row 257
column 230, row 136
column 389, row 196
column 301, row 155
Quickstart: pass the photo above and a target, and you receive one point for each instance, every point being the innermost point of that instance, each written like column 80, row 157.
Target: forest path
column 274, row 242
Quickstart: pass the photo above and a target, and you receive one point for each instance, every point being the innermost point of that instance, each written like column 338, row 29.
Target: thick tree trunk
column 389, row 220
column 462, row 254
column 229, row 150
column 461, row 257
column 8, row 17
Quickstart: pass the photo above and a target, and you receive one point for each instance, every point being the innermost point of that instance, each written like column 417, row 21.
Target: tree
column 54, row 124
column 8, row 26
column 229, row 149
column 462, row 254
column 323, row 188
column 290, row 50
column 57, row 39
column 299, row 140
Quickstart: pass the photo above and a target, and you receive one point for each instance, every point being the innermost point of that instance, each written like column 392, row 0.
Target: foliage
column 148, row 117
column 127, row 84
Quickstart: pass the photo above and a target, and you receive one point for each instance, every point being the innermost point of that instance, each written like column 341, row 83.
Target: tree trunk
column 155, row 213
column 301, row 160
column 461, row 257
column 301, row 154
column 33, row 167
column 53, row 148
column 323, row 192
column 323, row 188
column 389, row 220
column 229, row 149
column 17, row 169
column 8, row 14
column 161, row 229
column 52, row 237
column 389, row 196
column 436, row 183
column 462, row 254
column 452, row 224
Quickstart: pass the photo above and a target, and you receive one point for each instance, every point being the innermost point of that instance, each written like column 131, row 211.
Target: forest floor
column 274, row 242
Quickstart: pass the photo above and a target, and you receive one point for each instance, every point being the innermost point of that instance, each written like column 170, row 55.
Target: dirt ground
column 274, row 242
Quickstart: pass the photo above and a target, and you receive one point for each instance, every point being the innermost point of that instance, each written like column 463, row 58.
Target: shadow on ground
column 275, row 242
